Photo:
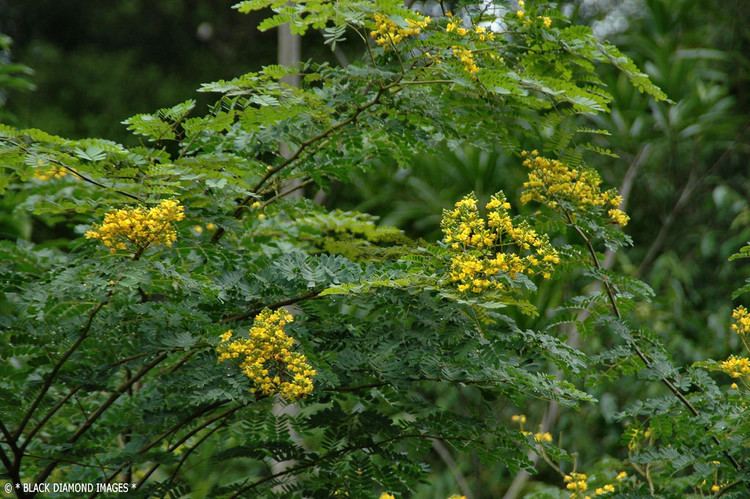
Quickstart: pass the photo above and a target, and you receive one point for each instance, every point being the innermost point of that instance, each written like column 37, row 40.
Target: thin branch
column 86, row 425
column 616, row 310
column 285, row 193
column 47, row 417
column 192, row 449
column 330, row 455
column 301, row 149
column 289, row 301
column 56, row 369
column 445, row 454
column 184, row 422
column 80, row 175
column 693, row 182
column 223, row 416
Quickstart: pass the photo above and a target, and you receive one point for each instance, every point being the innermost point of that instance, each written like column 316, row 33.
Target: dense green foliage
column 111, row 360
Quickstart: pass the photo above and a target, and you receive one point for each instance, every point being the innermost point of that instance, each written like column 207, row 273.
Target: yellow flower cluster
column 552, row 182
column 467, row 59
column 387, row 32
column 736, row 367
column 52, row 173
column 521, row 14
column 741, row 320
column 521, row 6
column 518, row 418
column 576, row 483
column 606, row 489
column 545, row 437
column 483, row 34
column 486, row 248
column 139, row 227
column 267, row 357
column 455, row 26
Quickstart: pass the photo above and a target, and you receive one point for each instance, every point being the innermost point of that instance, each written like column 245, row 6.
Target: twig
column 273, row 306
column 86, row 425
column 56, row 369
column 447, row 458
column 192, row 449
column 616, row 310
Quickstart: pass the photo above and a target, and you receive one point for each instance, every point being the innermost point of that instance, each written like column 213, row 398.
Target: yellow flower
column 467, row 59
column 736, row 367
column 741, row 319
column 576, row 482
column 518, row 418
column 52, row 173
column 387, row 32
column 210, row 226
column 621, row 476
column 547, row 21
column 386, row 495
column 267, row 359
column 545, row 437
column 198, row 229
column 486, row 249
column 483, row 34
column 606, row 489
column 139, row 227
column 552, row 182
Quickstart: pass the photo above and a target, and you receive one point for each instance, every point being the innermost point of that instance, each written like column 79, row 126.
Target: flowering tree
column 125, row 346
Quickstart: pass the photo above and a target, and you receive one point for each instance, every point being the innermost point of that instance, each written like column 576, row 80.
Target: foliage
column 117, row 363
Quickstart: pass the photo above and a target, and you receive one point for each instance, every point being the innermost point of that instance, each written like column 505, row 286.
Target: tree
column 194, row 291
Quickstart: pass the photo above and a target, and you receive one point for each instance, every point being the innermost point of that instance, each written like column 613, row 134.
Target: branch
column 47, row 417
column 80, row 175
column 289, row 301
column 285, row 193
column 616, row 310
column 183, row 422
column 56, row 369
column 192, row 449
column 330, row 455
column 106, row 405
column 447, row 458
column 553, row 408
column 182, row 440
column 302, row 148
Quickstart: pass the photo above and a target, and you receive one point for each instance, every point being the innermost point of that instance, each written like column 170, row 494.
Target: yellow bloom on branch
column 267, row 357
column 52, row 173
column 741, row 319
column 467, row 59
column 387, row 32
column 556, row 184
column 138, row 228
column 545, row 437
column 576, row 482
column 736, row 367
column 487, row 248
column 606, row 489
